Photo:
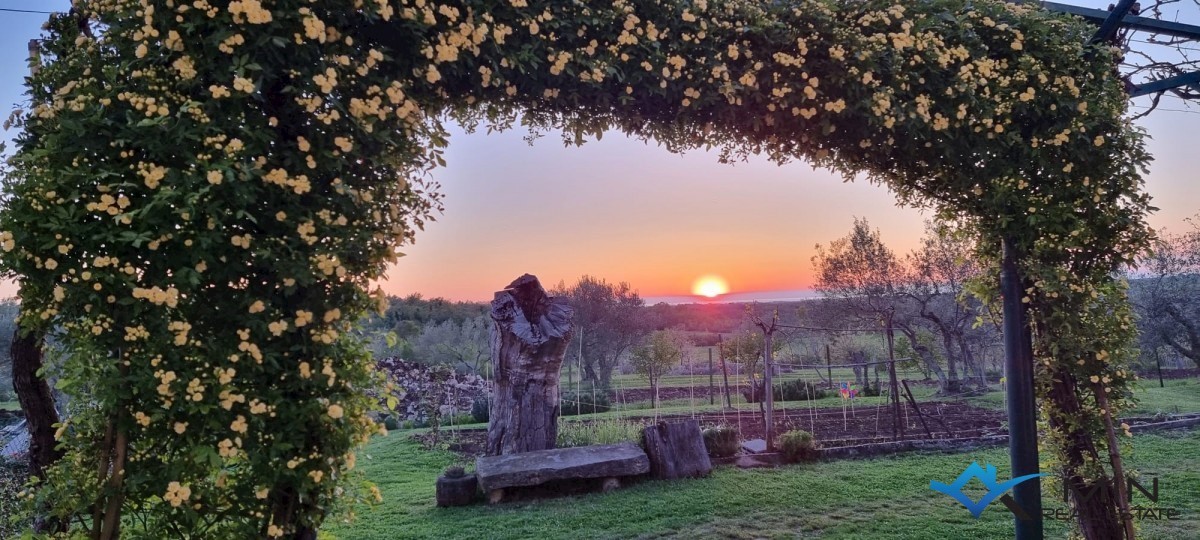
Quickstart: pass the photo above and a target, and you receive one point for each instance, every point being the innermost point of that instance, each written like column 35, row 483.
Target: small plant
column 481, row 410
column 797, row 446
column 721, row 441
column 391, row 423
column 571, row 434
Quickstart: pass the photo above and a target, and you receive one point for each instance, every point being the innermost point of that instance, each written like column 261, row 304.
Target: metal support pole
column 711, row 398
column 897, row 426
column 724, row 370
column 828, row 366
column 768, row 394
column 1022, row 412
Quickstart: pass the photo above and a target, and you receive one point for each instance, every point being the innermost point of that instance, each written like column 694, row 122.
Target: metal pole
column 711, row 397
column 769, row 414
column 724, row 370
column 897, row 426
column 1022, row 412
column 828, row 366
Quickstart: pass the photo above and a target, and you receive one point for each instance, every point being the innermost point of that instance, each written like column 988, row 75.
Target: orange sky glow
column 629, row 211
column 625, row 210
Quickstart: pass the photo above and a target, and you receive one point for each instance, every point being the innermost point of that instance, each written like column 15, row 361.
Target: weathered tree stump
column 528, row 339
column 676, row 450
column 456, row 488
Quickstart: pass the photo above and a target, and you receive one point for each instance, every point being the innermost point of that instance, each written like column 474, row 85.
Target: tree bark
column 37, row 402
column 1095, row 505
column 676, row 450
column 926, row 355
column 529, row 339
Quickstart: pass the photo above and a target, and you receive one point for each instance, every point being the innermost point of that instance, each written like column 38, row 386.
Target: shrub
column 391, row 423
column 481, row 410
column 797, row 390
column 460, row 419
column 721, row 441
column 584, row 402
column 572, row 434
column 868, row 390
column 798, row 445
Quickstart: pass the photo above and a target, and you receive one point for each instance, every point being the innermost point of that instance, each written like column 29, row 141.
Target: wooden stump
column 528, row 340
column 458, row 491
column 676, row 450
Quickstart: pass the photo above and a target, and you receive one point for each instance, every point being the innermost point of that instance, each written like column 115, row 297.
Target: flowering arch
column 204, row 190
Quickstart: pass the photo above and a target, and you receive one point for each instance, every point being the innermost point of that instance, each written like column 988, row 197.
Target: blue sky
column 559, row 213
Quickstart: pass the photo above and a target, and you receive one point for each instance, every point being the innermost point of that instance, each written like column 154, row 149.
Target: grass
column 1178, row 396
column 880, row 498
column 13, row 405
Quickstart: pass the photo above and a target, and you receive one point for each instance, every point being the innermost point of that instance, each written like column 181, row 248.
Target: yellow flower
column 215, row 177
column 243, row 85
column 176, row 493
column 180, row 427
column 335, row 411
column 239, row 424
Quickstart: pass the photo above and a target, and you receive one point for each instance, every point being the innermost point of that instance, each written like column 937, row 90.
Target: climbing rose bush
column 203, row 193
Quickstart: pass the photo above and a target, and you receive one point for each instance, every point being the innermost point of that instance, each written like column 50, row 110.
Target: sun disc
column 710, row 286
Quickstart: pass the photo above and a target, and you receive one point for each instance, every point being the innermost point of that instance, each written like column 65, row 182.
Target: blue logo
column 996, row 490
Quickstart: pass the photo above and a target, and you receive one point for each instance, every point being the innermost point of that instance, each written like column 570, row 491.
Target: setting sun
column 710, row 286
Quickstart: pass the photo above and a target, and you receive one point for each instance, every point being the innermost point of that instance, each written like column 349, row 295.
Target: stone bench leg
column 495, row 496
column 610, row 484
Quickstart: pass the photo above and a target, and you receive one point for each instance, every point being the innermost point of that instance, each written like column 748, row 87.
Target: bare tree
column 935, row 275
column 1166, row 296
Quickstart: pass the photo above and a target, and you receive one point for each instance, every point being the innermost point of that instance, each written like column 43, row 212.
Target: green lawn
column 10, row 405
column 878, row 498
column 1178, row 396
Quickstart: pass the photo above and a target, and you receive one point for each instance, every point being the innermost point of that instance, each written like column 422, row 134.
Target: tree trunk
column 36, row 400
column 926, row 354
column 676, row 450
column 529, row 339
column 1095, row 505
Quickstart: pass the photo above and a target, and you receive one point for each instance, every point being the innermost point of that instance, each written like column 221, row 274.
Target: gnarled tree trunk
column 529, row 339
column 37, row 402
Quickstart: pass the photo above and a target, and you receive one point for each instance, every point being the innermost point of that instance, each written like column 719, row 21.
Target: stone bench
column 608, row 462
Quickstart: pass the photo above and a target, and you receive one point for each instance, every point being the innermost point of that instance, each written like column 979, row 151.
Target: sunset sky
column 625, row 210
